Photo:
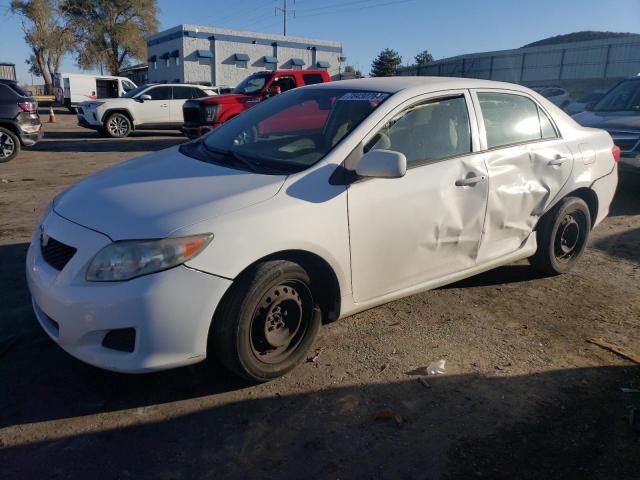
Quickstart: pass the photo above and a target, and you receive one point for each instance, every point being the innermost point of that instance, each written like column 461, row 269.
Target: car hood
column 153, row 195
column 610, row 121
column 226, row 98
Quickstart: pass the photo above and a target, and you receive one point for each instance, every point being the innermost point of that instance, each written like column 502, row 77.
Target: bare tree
column 111, row 32
column 46, row 33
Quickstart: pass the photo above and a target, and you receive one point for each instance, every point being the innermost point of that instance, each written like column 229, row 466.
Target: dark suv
column 19, row 120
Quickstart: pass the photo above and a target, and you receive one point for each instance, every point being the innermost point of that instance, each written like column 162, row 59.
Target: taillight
column 615, row 150
column 28, row 106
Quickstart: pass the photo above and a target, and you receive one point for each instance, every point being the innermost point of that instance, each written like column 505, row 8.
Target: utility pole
column 285, row 14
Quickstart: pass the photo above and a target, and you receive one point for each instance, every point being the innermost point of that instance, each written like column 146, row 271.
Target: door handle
column 469, row 181
column 556, row 162
column 165, row 105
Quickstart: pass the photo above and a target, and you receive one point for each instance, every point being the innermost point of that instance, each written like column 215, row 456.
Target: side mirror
column 382, row 164
column 144, row 98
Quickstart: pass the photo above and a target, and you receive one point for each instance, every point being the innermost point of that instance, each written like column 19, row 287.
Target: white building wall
column 223, row 68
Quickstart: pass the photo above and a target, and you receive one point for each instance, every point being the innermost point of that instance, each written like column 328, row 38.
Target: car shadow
column 561, row 424
column 625, row 245
column 626, row 200
column 93, row 142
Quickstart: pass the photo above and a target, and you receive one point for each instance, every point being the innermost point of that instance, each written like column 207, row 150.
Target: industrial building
column 578, row 66
column 198, row 54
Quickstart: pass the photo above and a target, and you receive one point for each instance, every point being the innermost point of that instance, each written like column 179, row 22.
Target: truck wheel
column 9, row 145
column 562, row 236
column 117, row 125
column 267, row 322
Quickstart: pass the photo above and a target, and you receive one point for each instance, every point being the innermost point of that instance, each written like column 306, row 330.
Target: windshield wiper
column 249, row 162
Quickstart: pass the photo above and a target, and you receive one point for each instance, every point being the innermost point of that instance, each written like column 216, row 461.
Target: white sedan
column 314, row 205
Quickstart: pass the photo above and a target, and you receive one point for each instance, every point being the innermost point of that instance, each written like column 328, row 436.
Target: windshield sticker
column 364, row 96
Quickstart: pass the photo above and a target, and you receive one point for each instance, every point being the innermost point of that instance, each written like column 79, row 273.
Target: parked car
column 20, row 124
column 203, row 115
column 556, row 95
column 582, row 103
column 240, row 244
column 618, row 112
column 71, row 89
column 150, row 107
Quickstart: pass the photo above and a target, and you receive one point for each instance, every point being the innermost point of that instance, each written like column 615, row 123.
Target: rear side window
column 182, row 93
column 285, row 83
column 430, row 131
column 312, row 78
column 159, row 93
column 509, row 119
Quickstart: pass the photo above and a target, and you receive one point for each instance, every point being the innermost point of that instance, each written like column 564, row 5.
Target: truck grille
column 56, row 253
column 191, row 114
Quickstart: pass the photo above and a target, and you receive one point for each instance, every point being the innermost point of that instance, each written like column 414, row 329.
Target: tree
column 34, row 68
column 47, row 35
column 386, row 63
column 111, row 32
column 423, row 57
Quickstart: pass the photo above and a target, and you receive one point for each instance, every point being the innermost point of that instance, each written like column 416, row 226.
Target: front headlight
column 210, row 113
column 128, row 259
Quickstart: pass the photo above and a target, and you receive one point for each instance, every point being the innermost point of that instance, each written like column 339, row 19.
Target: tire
column 9, row 145
column 562, row 235
column 267, row 322
column 117, row 125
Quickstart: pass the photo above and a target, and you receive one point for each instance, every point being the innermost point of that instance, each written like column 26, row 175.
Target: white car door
column 156, row 111
column 180, row 95
column 528, row 164
column 427, row 224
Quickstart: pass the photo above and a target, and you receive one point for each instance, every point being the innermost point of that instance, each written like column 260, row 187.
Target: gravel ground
column 524, row 395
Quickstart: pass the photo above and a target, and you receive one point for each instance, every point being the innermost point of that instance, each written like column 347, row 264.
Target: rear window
column 16, row 88
column 312, row 78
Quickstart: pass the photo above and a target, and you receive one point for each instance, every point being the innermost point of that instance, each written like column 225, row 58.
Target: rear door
column 528, row 163
column 428, row 224
column 180, row 95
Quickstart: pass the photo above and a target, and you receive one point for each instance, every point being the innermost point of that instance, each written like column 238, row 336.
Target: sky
column 365, row 27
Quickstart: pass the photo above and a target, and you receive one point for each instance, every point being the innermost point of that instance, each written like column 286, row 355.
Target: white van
column 71, row 89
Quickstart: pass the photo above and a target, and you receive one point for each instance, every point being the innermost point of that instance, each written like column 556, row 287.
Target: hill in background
column 577, row 37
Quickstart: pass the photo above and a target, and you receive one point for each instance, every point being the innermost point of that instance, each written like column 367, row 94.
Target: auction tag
column 364, row 96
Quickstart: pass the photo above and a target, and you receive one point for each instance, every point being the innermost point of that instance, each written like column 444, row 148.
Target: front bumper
column 171, row 311
column 196, row 131
column 88, row 119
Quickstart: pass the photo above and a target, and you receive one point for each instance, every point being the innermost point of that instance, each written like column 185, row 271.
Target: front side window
column 624, row 97
column 251, row 85
column 509, row 119
column 127, row 86
column 290, row 132
column 159, row 93
column 428, row 131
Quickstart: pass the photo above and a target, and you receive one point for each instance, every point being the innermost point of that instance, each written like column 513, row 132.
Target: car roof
column 419, row 84
column 204, row 87
column 6, row 80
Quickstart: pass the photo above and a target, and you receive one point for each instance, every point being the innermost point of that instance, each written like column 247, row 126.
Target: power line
column 356, row 8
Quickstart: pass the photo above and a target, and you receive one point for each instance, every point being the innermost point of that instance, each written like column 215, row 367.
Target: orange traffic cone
column 52, row 115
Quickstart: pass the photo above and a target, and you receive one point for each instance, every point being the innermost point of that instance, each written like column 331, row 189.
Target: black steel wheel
column 267, row 322
column 9, row 145
column 562, row 236
column 117, row 125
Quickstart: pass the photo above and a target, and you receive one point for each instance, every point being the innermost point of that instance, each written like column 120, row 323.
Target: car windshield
column 252, row 84
column 591, row 97
column 134, row 92
column 292, row 131
column 624, row 97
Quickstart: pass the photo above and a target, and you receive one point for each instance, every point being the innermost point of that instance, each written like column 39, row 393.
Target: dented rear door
column 524, row 175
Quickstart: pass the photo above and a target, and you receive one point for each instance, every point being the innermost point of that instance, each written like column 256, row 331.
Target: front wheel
column 267, row 322
column 562, row 236
column 9, row 145
column 117, row 125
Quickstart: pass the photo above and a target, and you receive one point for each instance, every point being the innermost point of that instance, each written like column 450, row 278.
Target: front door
column 427, row 224
column 528, row 164
column 156, row 111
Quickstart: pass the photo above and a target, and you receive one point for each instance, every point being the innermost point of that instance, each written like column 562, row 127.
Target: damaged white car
column 314, row 205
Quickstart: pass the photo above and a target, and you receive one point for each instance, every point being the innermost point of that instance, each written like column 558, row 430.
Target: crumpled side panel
column 523, row 180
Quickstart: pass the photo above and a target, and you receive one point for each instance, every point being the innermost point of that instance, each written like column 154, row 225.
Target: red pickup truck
column 204, row 114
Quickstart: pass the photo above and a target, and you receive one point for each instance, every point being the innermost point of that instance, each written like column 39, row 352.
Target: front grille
column 191, row 114
column 625, row 144
column 56, row 253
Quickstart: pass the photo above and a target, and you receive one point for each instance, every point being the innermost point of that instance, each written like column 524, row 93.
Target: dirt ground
column 524, row 395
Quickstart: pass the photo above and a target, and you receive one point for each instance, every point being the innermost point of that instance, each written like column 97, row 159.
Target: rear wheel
column 267, row 322
column 117, row 125
column 562, row 236
column 9, row 145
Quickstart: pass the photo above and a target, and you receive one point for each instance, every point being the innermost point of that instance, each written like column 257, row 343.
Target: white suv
column 149, row 107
